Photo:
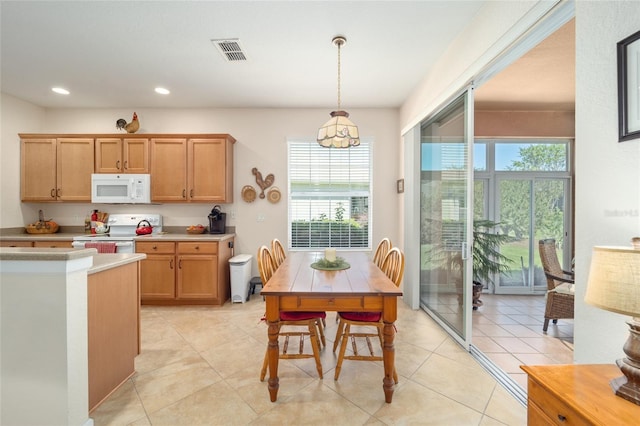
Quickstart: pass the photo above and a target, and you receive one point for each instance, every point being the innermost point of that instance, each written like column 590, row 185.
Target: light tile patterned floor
column 201, row 366
column 508, row 330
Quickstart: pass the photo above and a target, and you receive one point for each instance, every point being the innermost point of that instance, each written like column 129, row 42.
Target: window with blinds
column 329, row 192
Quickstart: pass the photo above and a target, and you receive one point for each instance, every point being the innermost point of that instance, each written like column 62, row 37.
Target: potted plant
column 487, row 259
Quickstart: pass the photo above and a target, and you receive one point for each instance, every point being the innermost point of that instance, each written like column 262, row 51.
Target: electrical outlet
column 233, row 213
column 261, row 217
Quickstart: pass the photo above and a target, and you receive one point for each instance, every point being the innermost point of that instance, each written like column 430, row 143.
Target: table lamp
column 614, row 285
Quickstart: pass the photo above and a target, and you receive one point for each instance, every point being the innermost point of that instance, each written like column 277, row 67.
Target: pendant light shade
column 339, row 131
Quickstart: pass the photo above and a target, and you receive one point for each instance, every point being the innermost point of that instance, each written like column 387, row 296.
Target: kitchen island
column 70, row 331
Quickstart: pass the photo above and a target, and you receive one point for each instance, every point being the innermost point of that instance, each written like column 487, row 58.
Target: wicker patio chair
column 560, row 294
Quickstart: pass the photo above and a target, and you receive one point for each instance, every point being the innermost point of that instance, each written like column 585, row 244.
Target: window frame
column 367, row 194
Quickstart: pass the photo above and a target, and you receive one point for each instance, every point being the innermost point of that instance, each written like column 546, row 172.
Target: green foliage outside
column 329, row 233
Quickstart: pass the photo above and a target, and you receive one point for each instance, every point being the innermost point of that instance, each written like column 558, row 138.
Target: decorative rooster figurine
column 263, row 183
column 129, row 127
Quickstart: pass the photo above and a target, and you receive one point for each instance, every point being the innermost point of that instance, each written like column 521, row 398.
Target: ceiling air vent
column 230, row 49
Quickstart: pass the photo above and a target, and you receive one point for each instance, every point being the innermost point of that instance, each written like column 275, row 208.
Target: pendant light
column 339, row 131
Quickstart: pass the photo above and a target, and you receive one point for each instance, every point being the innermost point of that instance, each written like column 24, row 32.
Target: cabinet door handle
column 53, row 193
column 180, row 264
column 561, row 417
column 171, row 264
column 191, row 193
column 197, row 247
column 154, row 248
column 126, row 165
column 184, row 193
column 118, row 164
column 58, row 192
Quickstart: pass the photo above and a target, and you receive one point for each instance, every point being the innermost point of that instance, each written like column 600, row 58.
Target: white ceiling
column 113, row 53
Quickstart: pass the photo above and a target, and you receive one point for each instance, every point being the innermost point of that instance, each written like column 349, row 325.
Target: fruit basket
column 47, row 227
column 194, row 230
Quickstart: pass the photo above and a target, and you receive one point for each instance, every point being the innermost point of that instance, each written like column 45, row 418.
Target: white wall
column 607, row 172
column 261, row 136
column 16, row 116
column 495, row 27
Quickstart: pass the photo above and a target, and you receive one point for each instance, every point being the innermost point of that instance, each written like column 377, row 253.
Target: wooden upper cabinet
column 38, row 169
column 210, row 170
column 135, row 153
column 192, row 169
column 183, row 167
column 74, row 168
column 126, row 155
column 169, row 169
column 56, row 169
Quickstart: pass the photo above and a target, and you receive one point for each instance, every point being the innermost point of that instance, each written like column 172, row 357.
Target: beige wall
column 495, row 27
column 524, row 124
column 607, row 172
column 261, row 142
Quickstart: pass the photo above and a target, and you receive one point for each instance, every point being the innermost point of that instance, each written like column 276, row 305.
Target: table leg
column 273, row 353
column 389, row 357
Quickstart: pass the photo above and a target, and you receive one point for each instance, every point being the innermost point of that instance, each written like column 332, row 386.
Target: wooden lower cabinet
column 54, row 244
column 184, row 272
column 197, row 270
column 576, row 394
column 113, row 329
column 16, row 243
column 157, row 271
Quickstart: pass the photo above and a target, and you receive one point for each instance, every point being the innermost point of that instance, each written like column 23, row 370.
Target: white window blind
column 329, row 192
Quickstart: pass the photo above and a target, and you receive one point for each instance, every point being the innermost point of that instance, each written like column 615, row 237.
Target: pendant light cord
column 339, row 45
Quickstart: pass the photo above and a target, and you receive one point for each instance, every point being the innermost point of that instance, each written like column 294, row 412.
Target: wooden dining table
column 363, row 287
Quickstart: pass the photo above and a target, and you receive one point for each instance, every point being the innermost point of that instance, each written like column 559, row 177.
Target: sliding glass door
column 446, row 186
column 530, row 209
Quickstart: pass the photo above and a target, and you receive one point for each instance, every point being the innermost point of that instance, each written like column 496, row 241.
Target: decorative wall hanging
column 274, row 195
column 248, row 193
column 263, row 183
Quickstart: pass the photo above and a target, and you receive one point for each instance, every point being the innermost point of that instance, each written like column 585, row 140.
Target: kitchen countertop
column 101, row 262
column 170, row 236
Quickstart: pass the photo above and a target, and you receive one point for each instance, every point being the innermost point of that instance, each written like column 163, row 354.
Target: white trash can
column 240, row 267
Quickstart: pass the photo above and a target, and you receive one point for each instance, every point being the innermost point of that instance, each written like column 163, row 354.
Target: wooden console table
column 576, row 395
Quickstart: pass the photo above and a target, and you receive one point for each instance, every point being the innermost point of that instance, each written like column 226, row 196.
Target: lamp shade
column 614, row 280
column 338, row 132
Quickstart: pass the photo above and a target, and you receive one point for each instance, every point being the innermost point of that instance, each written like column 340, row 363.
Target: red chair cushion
column 362, row 316
column 301, row 316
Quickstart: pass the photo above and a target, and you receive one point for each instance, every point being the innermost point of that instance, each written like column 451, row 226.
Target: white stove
column 122, row 231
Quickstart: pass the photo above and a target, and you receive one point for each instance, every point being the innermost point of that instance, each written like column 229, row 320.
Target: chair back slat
column 266, row 264
column 393, row 265
column 277, row 252
column 381, row 251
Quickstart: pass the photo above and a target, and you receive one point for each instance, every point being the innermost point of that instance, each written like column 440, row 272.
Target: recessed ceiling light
column 162, row 91
column 60, row 90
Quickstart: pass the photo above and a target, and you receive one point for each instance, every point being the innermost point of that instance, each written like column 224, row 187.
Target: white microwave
column 120, row 189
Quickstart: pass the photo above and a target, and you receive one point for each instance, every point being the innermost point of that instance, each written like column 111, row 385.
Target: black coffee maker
column 217, row 221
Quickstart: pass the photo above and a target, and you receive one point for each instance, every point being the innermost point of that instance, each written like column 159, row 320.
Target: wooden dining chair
column 278, row 253
column 393, row 267
column 381, row 251
column 310, row 320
